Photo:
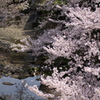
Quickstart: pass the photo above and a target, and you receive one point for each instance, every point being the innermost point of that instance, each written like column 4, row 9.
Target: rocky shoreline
column 12, row 23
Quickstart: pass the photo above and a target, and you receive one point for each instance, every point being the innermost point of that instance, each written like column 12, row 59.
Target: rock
column 15, row 76
column 7, row 83
column 10, row 35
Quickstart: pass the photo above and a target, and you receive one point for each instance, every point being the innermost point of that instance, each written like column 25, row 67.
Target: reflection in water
column 17, row 91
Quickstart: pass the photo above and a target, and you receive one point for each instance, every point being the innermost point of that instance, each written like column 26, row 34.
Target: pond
column 13, row 89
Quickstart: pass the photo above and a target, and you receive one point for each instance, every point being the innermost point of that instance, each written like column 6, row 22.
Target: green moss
column 60, row 2
column 32, row 70
column 29, row 70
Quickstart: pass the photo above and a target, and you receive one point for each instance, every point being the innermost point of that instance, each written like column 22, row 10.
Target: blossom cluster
column 76, row 38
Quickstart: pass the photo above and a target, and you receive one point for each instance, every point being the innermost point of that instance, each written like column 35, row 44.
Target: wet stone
column 7, row 83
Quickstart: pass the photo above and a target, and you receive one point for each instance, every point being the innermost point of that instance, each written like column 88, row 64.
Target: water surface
column 16, row 89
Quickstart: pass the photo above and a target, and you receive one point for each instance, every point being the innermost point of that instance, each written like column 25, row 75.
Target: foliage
column 60, row 2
